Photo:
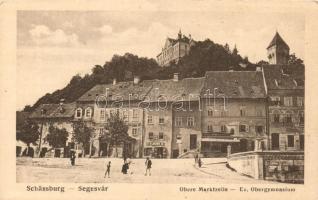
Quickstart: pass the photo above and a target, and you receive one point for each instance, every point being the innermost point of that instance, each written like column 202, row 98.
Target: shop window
column 290, row 140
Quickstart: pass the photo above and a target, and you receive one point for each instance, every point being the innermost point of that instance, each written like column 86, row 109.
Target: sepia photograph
column 156, row 95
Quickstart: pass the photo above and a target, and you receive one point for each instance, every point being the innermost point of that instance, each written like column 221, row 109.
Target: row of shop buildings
column 167, row 118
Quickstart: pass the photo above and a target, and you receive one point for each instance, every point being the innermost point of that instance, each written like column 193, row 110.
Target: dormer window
column 88, row 112
column 78, row 113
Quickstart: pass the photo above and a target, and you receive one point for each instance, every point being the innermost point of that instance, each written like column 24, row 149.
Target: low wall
column 270, row 165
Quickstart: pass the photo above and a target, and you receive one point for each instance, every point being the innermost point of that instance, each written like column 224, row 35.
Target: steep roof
column 277, row 40
column 54, row 111
column 121, row 91
column 187, row 89
column 284, row 77
column 236, row 84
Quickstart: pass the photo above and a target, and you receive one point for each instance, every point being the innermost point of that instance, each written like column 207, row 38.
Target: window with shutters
column 78, row 113
column 210, row 112
column 102, row 115
column 276, row 118
column 210, row 128
column 190, row 121
column 242, row 111
column 300, row 101
column 290, row 140
column 178, row 121
column 223, row 128
column 161, row 135
column 150, row 135
column 150, row 119
column 161, row 120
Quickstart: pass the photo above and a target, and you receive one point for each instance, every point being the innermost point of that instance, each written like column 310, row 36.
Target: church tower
column 278, row 51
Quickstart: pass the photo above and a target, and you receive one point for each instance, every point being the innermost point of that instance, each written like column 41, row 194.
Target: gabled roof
column 284, row 77
column 121, row 91
column 187, row 89
column 236, row 84
column 53, row 111
column 277, row 40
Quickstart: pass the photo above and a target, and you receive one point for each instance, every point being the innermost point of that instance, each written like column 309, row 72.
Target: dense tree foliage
column 83, row 134
column 117, row 132
column 57, row 137
column 28, row 132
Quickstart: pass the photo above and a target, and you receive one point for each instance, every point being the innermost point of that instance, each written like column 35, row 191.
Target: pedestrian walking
column 200, row 162
column 196, row 158
column 108, row 170
column 148, row 164
column 72, row 158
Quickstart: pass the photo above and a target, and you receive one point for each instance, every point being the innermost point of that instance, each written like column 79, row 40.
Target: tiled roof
column 54, row 111
column 170, row 90
column 119, row 91
column 284, row 77
column 277, row 40
column 243, row 84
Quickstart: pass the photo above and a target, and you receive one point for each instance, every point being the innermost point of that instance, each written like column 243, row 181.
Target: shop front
column 156, row 150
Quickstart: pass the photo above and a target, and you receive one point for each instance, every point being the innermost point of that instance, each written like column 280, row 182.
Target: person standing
column 72, row 158
column 200, row 162
column 108, row 170
column 148, row 164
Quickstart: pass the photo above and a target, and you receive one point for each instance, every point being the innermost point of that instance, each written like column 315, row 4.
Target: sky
column 53, row 46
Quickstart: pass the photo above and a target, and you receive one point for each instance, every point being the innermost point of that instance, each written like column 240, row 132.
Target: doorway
column 193, row 141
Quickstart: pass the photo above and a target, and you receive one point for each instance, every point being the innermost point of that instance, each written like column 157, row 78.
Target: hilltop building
column 174, row 49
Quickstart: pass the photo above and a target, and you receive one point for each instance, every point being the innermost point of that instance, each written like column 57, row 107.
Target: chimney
column 136, row 79
column 114, row 81
column 176, row 77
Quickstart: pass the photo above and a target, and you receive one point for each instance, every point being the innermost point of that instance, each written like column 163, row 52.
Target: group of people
column 125, row 167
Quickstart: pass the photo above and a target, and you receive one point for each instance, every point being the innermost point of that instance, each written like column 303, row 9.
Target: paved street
column 92, row 171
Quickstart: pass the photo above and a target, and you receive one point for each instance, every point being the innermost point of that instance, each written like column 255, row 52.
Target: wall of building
column 184, row 130
column 150, row 145
column 269, row 165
